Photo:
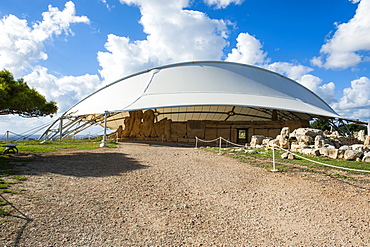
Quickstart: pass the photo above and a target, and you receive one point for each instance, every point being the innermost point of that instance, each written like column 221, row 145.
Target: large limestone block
column 285, row 132
column 361, row 135
column 148, row 124
column 366, row 157
column 256, row 140
column 307, row 132
column 196, row 129
column 324, row 151
column 333, row 153
column 303, row 139
column 352, row 154
column 178, row 130
column 283, row 141
column 319, row 141
column 367, row 141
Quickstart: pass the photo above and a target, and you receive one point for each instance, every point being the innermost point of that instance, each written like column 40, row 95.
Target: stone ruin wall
column 142, row 126
column 314, row 142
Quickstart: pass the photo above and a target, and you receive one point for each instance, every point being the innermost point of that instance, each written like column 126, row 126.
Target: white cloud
column 355, row 102
column 221, row 4
column 22, row 46
column 357, row 95
column 66, row 90
column 300, row 74
column 349, row 44
column 174, row 34
column 248, row 50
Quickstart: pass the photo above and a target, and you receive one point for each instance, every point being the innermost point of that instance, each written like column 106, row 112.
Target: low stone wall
column 142, row 126
column 316, row 142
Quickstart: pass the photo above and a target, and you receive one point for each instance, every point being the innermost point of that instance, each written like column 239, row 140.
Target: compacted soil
column 161, row 195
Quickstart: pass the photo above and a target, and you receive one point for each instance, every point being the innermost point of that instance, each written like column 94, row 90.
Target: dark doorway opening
column 242, row 136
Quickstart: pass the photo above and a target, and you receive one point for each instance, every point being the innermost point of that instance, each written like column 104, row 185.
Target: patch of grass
column 9, row 191
column 19, row 178
column 4, row 213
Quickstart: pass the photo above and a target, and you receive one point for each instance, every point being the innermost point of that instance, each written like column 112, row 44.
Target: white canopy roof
column 210, row 90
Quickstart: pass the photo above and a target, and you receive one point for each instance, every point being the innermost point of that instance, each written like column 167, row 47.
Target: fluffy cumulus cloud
column 21, row 45
column 66, row 90
column 356, row 99
column 222, row 3
column 350, row 43
column 248, row 50
column 174, row 34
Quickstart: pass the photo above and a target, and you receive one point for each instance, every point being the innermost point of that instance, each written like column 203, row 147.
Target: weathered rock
column 345, row 147
column 256, row 140
column 367, row 141
column 288, row 156
column 251, row 151
column 265, row 142
column 319, row 141
column 307, row 132
column 324, row 151
column 305, row 140
column 366, row 158
column 333, row 153
column 315, row 152
column 285, row 132
column 283, row 141
column 306, row 151
column 352, row 154
column 361, row 135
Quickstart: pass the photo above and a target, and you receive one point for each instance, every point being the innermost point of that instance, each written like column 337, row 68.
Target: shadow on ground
column 83, row 164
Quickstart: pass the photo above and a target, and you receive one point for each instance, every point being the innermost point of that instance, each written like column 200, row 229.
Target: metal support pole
column 219, row 149
column 7, row 136
column 61, row 129
column 273, row 159
column 104, row 141
column 196, row 142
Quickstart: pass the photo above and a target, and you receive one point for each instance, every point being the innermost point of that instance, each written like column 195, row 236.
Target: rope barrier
column 273, row 155
column 320, row 163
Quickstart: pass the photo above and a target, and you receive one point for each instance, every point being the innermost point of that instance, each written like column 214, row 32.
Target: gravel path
column 149, row 194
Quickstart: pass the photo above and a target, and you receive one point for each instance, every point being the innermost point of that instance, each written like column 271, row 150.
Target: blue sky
column 68, row 49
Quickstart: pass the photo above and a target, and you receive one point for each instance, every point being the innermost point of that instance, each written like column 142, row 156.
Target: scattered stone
column 352, row 154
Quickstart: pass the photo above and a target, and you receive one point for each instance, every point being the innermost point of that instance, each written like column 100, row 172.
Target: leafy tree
column 17, row 98
column 353, row 128
column 321, row 124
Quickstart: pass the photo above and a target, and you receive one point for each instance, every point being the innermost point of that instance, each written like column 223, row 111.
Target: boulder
column 352, row 154
column 256, row 140
column 324, row 151
column 265, row 142
column 288, row 156
column 307, row 132
column 366, row 158
column 333, row 153
column 305, row 140
column 361, row 135
column 367, row 141
column 319, row 141
column 285, row 132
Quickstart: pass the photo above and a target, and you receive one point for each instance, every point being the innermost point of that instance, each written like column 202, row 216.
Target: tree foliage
column 17, row 98
column 320, row 124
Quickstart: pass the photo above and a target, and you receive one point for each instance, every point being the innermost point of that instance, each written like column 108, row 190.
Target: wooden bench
column 10, row 148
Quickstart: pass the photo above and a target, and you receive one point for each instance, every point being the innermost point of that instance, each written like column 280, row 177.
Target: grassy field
column 9, row 173
column 263, row 158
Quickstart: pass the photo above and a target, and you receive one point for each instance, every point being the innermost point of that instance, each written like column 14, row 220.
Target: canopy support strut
column 104, row 141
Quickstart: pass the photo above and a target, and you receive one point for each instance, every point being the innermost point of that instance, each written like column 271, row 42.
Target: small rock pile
column 317, row 142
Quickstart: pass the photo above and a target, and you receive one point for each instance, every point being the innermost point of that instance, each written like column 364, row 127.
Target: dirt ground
column 161, row 195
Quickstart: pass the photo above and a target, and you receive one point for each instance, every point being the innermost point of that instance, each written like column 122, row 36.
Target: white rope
column 238, row 145
column 207, row 140
column 320, row 163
